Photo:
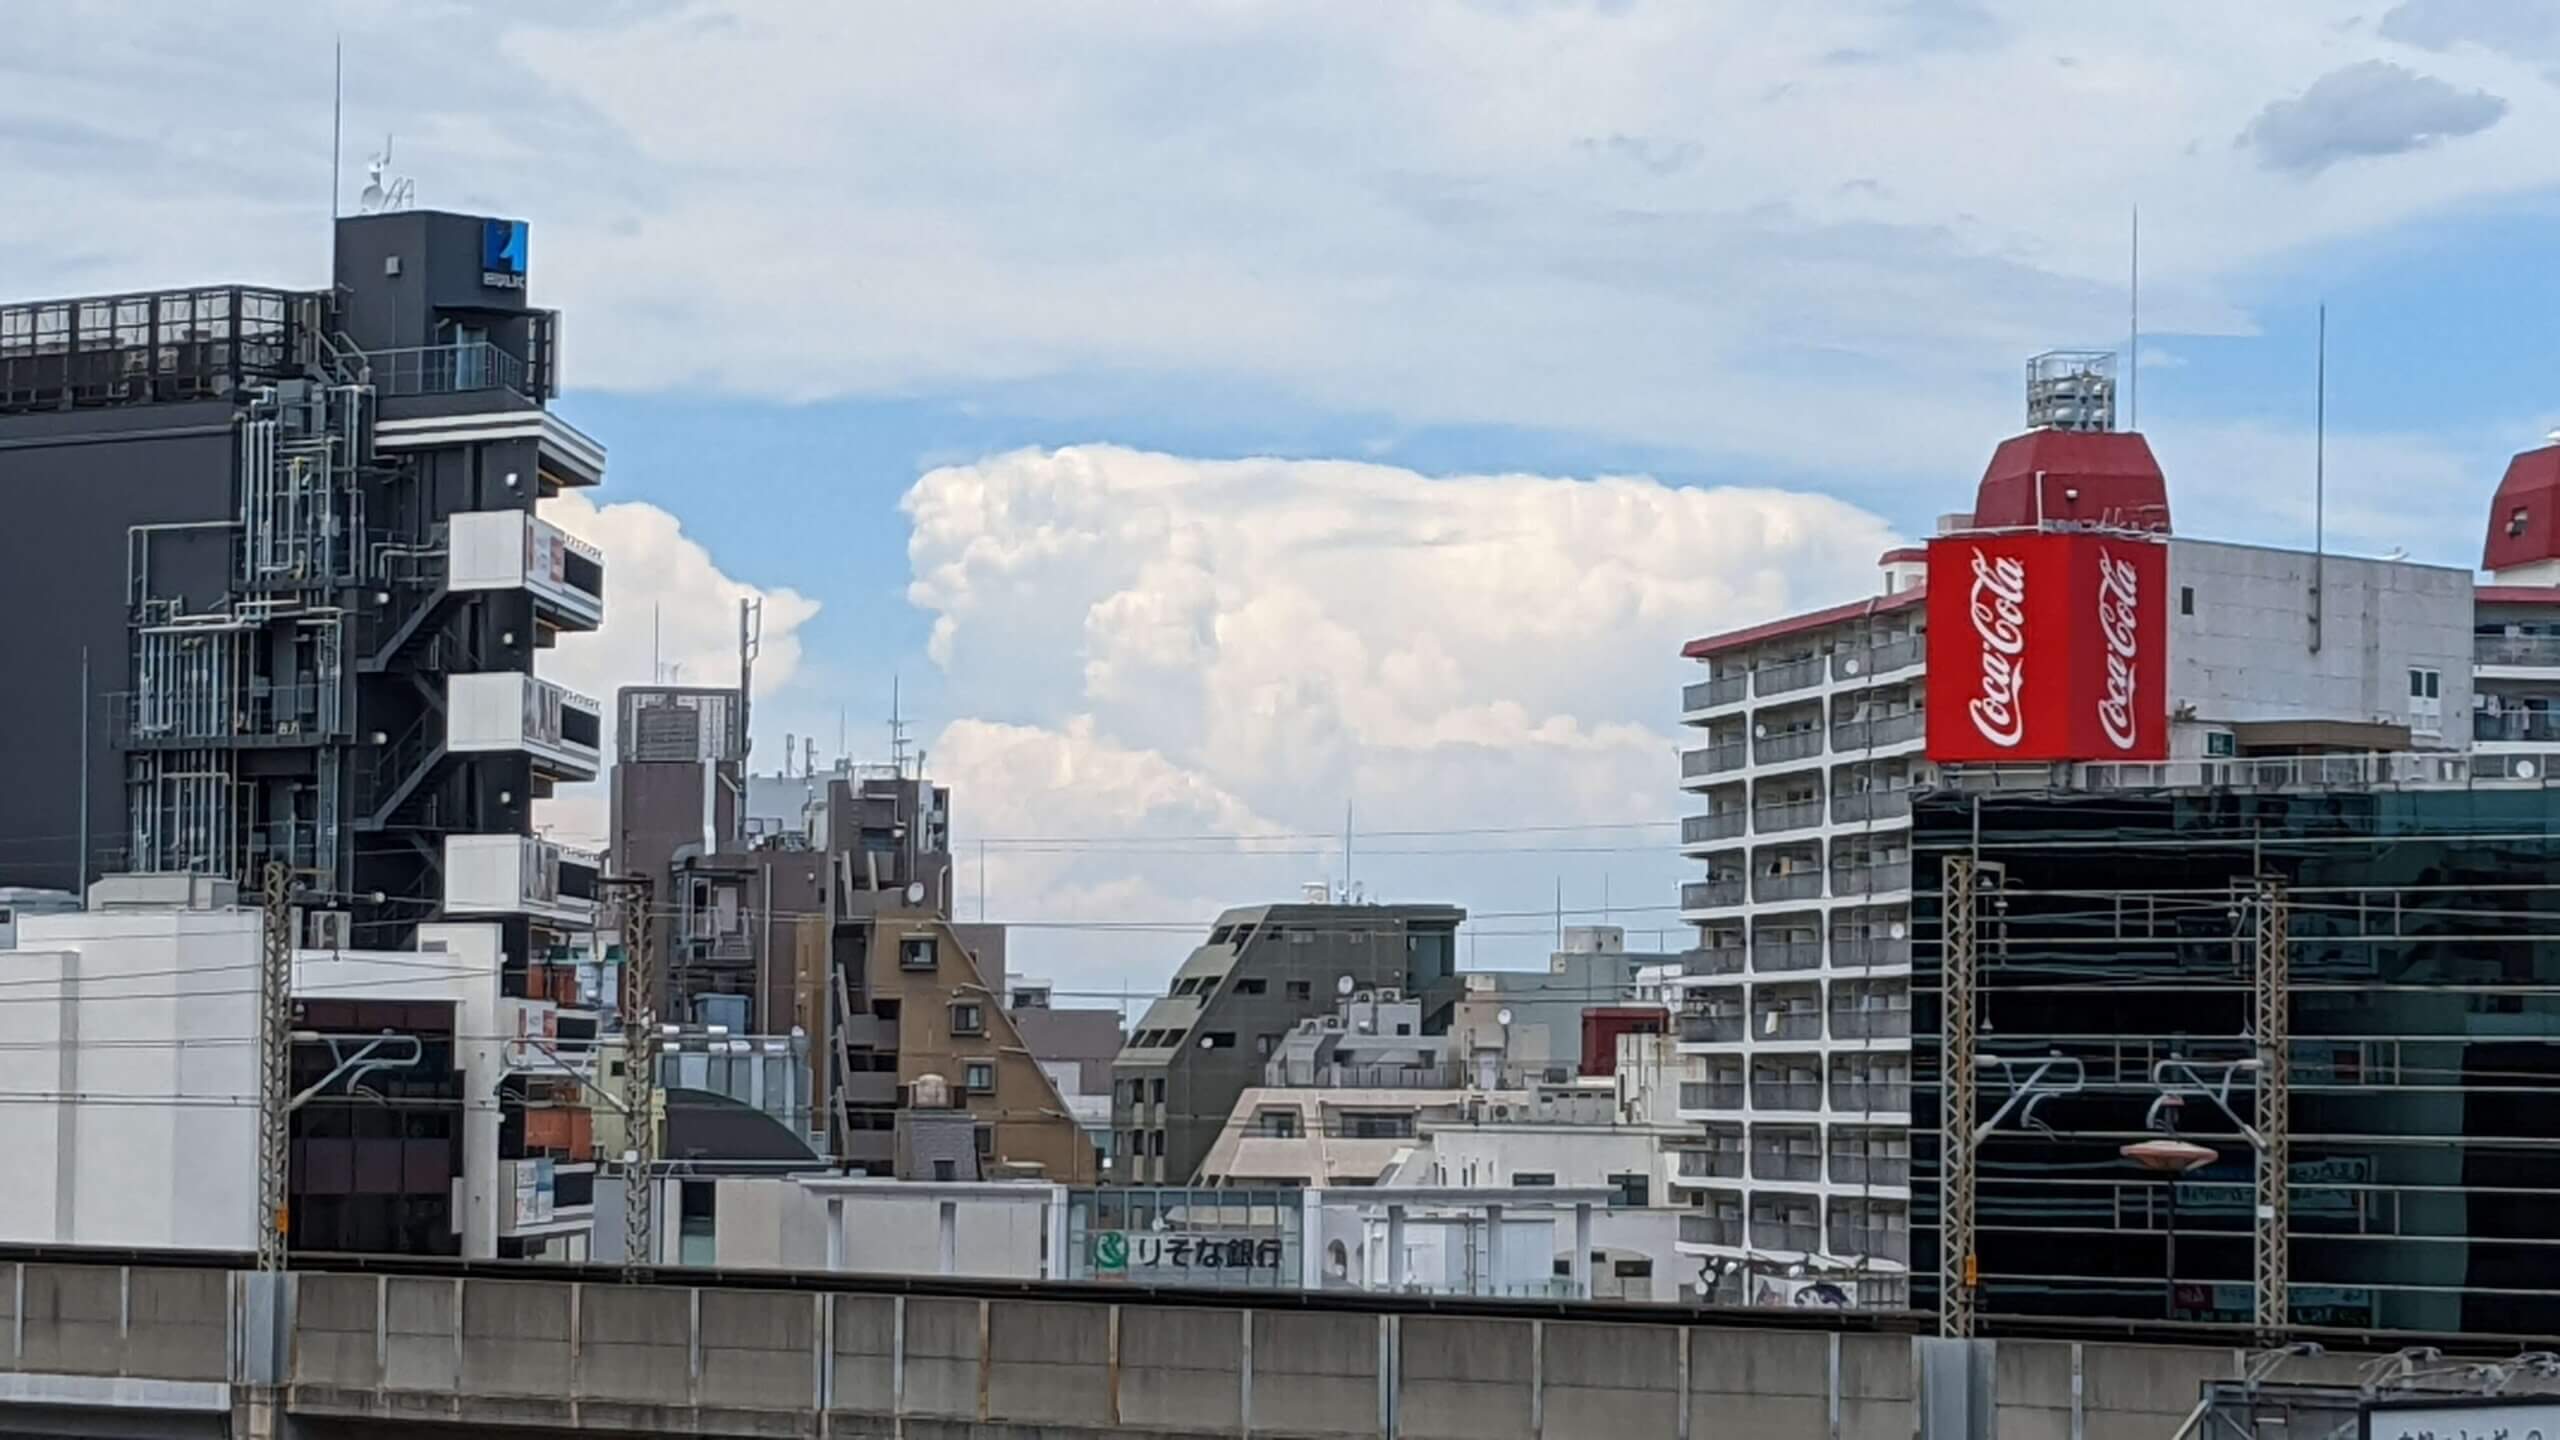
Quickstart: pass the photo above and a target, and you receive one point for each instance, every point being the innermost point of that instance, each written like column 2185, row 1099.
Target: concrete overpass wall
column 160, row 1348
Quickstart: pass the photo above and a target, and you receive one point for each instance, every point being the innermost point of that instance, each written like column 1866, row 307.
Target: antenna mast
column 2133, row 342
column 2320, row 482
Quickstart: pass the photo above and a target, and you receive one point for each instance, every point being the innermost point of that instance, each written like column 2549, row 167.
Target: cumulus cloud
column 1239, row 648
column 668, row 604
column 2371, row 108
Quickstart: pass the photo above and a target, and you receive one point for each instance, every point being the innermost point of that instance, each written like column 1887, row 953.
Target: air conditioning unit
column 328, row 930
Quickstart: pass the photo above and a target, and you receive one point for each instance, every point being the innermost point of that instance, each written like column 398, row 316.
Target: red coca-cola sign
column 2048, row 646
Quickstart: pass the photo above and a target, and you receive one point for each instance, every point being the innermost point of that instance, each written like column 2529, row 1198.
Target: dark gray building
column 1263, row 969
column 290, row 539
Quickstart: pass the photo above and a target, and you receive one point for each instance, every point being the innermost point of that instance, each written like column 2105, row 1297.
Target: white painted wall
column 2245, row 655
column 774, row 1223
column 1490, row 1155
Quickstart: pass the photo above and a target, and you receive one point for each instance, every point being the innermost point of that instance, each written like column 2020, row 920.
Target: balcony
column 499, row 875
column 210, row 344
column 2532, row 726
column 515, row 550
column 1720, row 1158
column 1875, row 1093
column 1786, row 1095
column 1724, row 1230
column 1792, row 885
column 1714, row 960
column 1883, row 879
column 1793, row 1155
column 446, row 370
column 1870, row 1167
column 1774, row 956
column 1770, row 1232
column 1711, row 1028
column 506, row 712
column 1890, row 1245
column 1720, row 690
column 2523, row 651
column 1715, row 759
column 1786, row 676
column 1790, row 815
column 1707, row 829
column 1902, row 729
column 1800, row 1021
column 1881, row 659
column 1851, row 806
column 1785, row 746
column 1872, row 1022
column 1708, row 894
column 1868, row 952
column 1711, row 1094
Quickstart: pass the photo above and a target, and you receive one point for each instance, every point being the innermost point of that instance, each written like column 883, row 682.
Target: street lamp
column 2170, row 1159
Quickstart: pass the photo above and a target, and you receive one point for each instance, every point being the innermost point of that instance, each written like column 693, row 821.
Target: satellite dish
column 915, row 892
column 2524, row 769
column 1502, row 1016
column 1895, row 930
column 1342, row 986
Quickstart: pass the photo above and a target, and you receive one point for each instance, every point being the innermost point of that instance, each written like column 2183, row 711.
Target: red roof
column 2516, row 594
column 2524, row 521
column 1795, row 624
column 2102, row 477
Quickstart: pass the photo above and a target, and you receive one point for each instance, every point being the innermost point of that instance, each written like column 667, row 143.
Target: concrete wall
column 776, row 1224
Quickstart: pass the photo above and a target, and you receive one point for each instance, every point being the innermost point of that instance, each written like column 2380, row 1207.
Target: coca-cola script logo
column 2119, row 596
column 2000, row 618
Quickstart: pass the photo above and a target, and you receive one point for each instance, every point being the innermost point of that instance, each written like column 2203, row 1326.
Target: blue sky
column 946, row 328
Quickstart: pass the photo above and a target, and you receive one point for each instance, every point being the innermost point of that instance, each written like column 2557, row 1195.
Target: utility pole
column 275, row 1063
column 2273, row 973
column 1957, row 1268
column 639, row 1078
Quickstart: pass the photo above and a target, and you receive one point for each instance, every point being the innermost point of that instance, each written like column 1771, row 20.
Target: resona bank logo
column 502, row 254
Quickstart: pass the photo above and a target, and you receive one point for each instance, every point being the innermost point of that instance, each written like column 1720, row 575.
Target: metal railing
column 1870, row 1023
column 1424, row 1075
column 151, row 346
column 1871, row 879
column 1877, row 1097
column 1787, row 745
column 1789, row 675
column 2540, row 725
column 445, row 369
column 1770, row 1233
column 1781, row 955
column 1792, row 815
column 1858, row 1167
column 1898, row 729
column 1714, row 759
column 1710, row 1164
column 1854, row 805
column 1718, row 825
column 1719, row 690
column 1793, row 885
column 1703, row 1029
column 1880, row 659
column 1893, row 1245
column 1715, row 960
column 291, row 713
column 1786, row 1165
column 2379, row 770
column 1786, row 1095
column 1710, row 1095
column 1805, row 1024
column 1723, row 1230
column 1704, row 894
column 1866, row 952
column 2515, row 649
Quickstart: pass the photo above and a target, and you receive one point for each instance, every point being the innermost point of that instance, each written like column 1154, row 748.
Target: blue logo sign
column 502, row 254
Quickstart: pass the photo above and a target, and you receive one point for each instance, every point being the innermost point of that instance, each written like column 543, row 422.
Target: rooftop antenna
column 1346, row 850
column 337, row 140
column 2133, row 344
column 2320, row 480
column 897, row 731
column 750, row 645
column 383, row 190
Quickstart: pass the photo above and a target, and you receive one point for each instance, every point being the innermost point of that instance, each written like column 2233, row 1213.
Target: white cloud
column 1239, row 647
column 667, row 604
column 2369, row 109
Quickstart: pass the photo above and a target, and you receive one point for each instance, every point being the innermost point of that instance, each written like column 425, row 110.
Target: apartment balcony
column 517, row 550
column 1709, row 894
column 1850, row 806
column 1906, row 728
column 1858, row 1088
column 1792, row 885
column 1788, row 815
column 2517, row 726
column 1711, row 1095
column 1711, row 1028
column 2524, row 652
column 1868, row 1164
column 1793, row 1018
column 1720, row 1230
column 1720, row 1158
column 1718, row 690
column 1715, row 960
column 1875, row 1244
column 1879, row 879
column 1787, row 676
column 499, row 875
column 1882, row 659
column 506, row 712
column 1781, row 1232
column 1786, row 745
column 1786, row 1096
column 1717, row 759
column 1873, row 1022
column 1709, row 828
column 1868, row 952
column 1780, row 956
column 1786, row 1154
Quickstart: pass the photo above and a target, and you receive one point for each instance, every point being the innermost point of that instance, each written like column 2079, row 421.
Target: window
column 2220, row 744
column 1156, row 1089
column 986, row 1142
column 2186, row 599
column 1632, row 1269
column 1533, row 1179
column 1218, row 1040
column 1301, row 990
column 1155, row 1144
column 944, row 1169
column 1377, row 1125
column 1278, row 1124
column 2423, row 683
column 1222, row 935
column 1252, row 987
column 915, row 952
column 2515, row 521
column 1262, row 1045
column 1633, row 1190
column 968, row 1018
column 978, row 1076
